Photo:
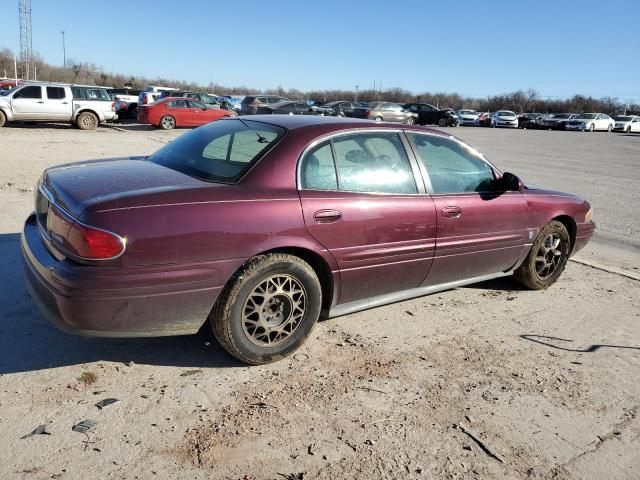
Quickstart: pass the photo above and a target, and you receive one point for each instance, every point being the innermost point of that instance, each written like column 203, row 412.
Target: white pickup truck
column 84, row 106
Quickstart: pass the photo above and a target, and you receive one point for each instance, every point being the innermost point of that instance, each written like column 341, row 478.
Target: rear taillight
column 82, row 241
column 113, row 106
column 145, row 100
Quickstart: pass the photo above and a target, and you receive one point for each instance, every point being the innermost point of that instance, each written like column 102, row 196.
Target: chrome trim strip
column 394, row 297
column 49, row 196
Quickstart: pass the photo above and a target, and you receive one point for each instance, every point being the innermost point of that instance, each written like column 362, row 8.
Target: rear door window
column 373, row 162
column 318, row 171
column 55, row 93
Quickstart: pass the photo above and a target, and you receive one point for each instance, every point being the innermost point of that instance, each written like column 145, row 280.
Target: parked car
column 125, row 101
column 257, row 226
column 209, row 100
column 251, row 103
column 556, row 121
column 430, row 115
column 386, row 112
column 289, row 108
column 591, row 122
column 82, row 105
column 342, row 108
column 147, row 97
column 627, row 123
column 468, row 117
column 505, row 118
column 168, row 113
column 234, row 102
column 485, row 119
column 529, row 120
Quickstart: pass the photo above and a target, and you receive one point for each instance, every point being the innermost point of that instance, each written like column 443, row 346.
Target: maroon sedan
column 261, row 226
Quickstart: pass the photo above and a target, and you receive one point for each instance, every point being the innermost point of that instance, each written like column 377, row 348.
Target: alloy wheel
column 168, row 122
column 549, row 256
column 273, row 310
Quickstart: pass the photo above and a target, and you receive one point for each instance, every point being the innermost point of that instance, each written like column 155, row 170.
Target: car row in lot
column 260, row 225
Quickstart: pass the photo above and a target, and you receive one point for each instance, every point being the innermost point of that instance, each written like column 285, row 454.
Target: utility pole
column 64, row 51
column 356, row 97
column 26, row 44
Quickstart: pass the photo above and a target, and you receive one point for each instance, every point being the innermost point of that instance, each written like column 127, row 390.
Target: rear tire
column 87, row 121
column 610, row 128
column 3, row 119
column 268, row 309
column 628, row 128
column 167, row 122
column 378, row 119
column 592, row 127
column 547, row 258
column 410, row 121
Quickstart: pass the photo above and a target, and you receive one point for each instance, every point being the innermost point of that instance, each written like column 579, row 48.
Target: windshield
column 561, row 115
column 622, row 118
column 221, row 151
column 506, row 113
column 467, row 112
column 588, row 116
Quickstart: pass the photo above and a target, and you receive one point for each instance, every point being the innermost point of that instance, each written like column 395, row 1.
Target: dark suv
column 251, row 103
column 430, row 115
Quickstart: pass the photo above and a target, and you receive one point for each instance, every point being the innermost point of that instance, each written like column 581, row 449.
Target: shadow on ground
column 28, row 342
column 563, row 344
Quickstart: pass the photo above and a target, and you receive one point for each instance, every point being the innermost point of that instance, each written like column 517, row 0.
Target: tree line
column 519, row 101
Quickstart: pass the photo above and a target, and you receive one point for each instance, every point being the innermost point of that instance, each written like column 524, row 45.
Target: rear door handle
column 451, row 212
column 327, row 216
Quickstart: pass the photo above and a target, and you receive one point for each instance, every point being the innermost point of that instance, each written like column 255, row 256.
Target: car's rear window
column 221, row 151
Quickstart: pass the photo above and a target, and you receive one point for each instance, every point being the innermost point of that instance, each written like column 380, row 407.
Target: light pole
column 64, row 51
column 356, row 97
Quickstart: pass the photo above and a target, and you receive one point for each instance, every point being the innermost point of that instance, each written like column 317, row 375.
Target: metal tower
column 26, row 45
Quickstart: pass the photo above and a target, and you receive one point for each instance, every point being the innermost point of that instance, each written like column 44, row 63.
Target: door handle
column 327, row 216
column 65, row 103
column 40, row 101
column 451, row 212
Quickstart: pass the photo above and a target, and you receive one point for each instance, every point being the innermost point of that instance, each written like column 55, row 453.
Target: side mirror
column 511, row 183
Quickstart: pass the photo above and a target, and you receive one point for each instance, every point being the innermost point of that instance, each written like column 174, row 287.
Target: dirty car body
column 357, row 201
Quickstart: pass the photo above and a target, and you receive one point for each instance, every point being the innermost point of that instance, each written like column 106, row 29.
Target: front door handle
column 451, row 212
column 40, row 101
column 327, row 216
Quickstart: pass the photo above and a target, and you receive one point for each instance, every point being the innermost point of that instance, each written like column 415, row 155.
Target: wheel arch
column 570, row 225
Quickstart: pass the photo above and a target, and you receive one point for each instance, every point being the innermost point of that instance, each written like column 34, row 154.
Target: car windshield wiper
column 261, row 139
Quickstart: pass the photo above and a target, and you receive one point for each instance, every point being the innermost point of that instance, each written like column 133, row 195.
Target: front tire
column 443, row 122
column 87, row 121
column 268, row 309
column 378, row 119
column 610, row 128
column 547, row 258
column 3, row 119
column 410, row 121
column 592, row 127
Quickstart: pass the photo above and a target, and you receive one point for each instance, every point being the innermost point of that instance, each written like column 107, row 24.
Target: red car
column 260, row 226
column 170, row 112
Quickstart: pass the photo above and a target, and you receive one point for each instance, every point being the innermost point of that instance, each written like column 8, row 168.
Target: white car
column 505, row 118
column 469, row 117
column 627, row 123
column 591, row 122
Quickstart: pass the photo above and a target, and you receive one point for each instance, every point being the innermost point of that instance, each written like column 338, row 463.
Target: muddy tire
column 268, row 309
column 3, row 119
column 547, row 258
column 87, row 121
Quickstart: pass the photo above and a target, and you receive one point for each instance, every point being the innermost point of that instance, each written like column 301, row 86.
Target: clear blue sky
column 476, row 48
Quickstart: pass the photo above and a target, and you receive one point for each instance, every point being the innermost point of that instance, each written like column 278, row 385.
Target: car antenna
column 261, row 139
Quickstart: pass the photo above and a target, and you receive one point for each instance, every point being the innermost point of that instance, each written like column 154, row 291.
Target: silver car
column 469, row 117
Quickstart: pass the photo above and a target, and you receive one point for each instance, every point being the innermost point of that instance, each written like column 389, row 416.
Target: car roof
column 292, row 122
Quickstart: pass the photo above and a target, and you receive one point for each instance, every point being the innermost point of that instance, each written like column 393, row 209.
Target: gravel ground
column 488, row 381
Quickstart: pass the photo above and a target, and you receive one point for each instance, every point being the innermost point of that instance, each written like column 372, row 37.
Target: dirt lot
column 488, row 381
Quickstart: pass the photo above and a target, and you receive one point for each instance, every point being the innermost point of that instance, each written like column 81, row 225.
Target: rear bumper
column 115, row 301
column 584, row 232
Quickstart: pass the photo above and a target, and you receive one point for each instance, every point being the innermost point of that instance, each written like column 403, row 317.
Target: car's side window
column 452, row 167
column 29, row 92
column 177, row 104
column 317, row 171
column 196, row 104
column 55, row 93
column 373, row 162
